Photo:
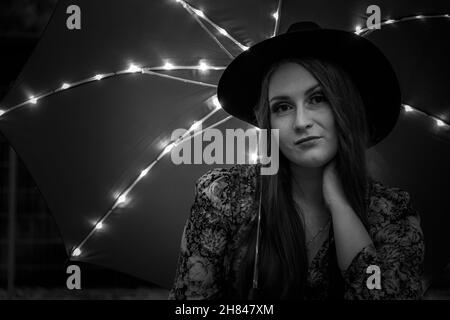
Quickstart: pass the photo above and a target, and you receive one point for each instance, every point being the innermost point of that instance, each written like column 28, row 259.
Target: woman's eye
column 318, row 98
column 280, row 107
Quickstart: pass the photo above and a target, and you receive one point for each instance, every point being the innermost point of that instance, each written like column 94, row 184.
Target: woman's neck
column 307, row 186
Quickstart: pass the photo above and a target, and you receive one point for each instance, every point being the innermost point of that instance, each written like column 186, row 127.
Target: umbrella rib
column 179, row 79
column 240, row 45
column 277, row 20
column 207, row 128
column 51, row 92
column 198, row 13
column 188, row 9
column 367, row 31
column 133, row 184
column 112, row 74
column 438, row 120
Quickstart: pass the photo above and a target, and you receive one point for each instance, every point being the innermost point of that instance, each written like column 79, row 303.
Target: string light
column 168, row 148
column 360, row 30
column 148, row 70
column 202, row 15
column 202, row 66
column 168, row 66
column 76, row 252
column 99, row 226
column 2, row 112
column 223, row 31
column 407, row 108
column 440, row 123
column 143, row 173
column 198, row 12
column 276, row 16
column 195, row 126
column 122, row 199
column 133, row 68
column 33, row 100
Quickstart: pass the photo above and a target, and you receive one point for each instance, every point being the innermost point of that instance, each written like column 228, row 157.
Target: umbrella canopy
column 94, row 109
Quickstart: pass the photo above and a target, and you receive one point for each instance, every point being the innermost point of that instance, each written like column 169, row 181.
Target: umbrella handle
column 253, row 291
column 254, row 294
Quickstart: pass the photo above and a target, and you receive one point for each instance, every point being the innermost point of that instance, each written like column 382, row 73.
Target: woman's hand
column 349, row 233
column 332, row 188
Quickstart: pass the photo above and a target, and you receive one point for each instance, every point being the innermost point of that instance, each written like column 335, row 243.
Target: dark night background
column 40, row 258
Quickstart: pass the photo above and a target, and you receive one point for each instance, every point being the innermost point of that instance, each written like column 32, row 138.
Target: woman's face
column 299, row 109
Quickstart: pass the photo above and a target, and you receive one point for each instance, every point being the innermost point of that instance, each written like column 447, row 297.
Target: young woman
column 321, row 228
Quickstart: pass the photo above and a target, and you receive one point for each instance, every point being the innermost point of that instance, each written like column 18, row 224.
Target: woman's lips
column 306, row 140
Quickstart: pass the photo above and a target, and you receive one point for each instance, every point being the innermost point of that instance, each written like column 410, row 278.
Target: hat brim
column 239, row 86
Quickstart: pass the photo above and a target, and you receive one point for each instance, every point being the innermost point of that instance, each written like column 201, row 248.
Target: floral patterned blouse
column 224, row 209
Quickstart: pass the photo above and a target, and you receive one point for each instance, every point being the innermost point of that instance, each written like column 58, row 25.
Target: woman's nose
column 302, row 118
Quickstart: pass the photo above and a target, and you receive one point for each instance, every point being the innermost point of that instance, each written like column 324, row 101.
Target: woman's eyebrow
column 284, row 97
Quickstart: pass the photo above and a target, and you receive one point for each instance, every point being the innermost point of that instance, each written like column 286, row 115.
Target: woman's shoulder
column 389, row 203
column 229, row 190
column 218, row 180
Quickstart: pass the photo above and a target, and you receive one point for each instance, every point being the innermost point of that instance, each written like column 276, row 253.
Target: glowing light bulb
column 168, row 66
column 202, row 66
column 275, row 15
column 76, row 252
column 440, row 123
column 358, row 29
column 199, row 13
column 195, row 126
column 143, row 173
column 245, row 48
column 419, row 16
column 223, row 31
column 390, row 21
column 133, row 68
column 1, row 112
column 122, row 199
column 98, row 226
column 169, row 148
column 98, row 77
column 407, row 108
column 33, row 100
column 65, row 86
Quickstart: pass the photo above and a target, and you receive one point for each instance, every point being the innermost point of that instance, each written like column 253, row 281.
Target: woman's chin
column 310, row 161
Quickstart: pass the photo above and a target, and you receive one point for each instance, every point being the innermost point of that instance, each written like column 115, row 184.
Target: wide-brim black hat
column 239, row 86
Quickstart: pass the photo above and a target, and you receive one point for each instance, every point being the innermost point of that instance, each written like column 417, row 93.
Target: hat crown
column 303, row 26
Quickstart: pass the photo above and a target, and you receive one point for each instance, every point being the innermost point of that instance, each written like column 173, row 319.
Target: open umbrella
column 92, row 113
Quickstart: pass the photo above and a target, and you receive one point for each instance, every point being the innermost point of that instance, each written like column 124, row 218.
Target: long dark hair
column 282, row 253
